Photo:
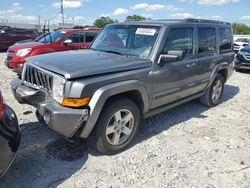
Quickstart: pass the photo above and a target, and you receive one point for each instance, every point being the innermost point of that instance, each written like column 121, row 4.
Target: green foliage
column 240, row 29
column 99, row 23
column 136, row 18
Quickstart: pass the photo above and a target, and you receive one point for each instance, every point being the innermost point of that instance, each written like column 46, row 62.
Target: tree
column 99, row 23
column 136, row 18
column 240, row 29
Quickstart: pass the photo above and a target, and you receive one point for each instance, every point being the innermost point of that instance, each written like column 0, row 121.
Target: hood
column 75, row 64
column 25, row 45
column 241, row 43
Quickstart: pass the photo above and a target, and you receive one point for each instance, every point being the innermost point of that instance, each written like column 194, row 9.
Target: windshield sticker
column 145, row 31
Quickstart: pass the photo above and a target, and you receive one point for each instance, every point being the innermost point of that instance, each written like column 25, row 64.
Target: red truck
column 61, row 40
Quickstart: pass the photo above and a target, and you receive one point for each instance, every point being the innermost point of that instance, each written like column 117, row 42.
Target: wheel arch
column 132, row 89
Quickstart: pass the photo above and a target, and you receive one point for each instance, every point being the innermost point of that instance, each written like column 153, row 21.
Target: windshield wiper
column 108, row 51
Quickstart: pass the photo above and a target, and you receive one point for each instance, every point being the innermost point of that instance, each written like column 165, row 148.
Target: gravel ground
column 188, row 146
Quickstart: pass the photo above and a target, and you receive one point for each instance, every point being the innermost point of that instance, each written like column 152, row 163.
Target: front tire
column 213, row 94
column 117, row 126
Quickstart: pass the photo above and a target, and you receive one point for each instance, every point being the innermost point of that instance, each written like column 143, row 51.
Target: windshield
column 242, row 40
column 52, row 37
column 129, row 40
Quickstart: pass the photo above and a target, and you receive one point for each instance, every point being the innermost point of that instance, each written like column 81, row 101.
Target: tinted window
column 77, row 37
column 179, row 39
column 207, row 40
column 225, row 39
column 89, row 37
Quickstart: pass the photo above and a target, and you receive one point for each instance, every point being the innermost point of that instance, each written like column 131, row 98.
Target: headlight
column 58, row 88
column 23, row 52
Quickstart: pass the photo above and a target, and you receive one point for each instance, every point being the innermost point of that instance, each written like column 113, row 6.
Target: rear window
column 225, row 39
column 207, row 40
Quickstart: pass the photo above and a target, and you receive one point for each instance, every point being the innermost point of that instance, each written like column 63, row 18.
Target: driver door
column 175, row 80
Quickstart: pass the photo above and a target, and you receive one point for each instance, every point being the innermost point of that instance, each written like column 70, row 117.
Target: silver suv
column 133, row 70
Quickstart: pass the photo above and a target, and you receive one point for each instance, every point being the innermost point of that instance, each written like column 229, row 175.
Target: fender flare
column 216, row 69
column 102, row 94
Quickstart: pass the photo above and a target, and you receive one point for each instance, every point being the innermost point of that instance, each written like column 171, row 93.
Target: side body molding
column 102, row 94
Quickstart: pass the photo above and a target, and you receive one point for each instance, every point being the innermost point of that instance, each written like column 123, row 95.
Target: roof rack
column 206, row 21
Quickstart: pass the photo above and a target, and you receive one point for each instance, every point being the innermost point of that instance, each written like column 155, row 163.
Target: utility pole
column 62, row 12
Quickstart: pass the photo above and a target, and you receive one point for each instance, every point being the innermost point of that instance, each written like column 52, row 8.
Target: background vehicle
column 133, row 70
column 242, row 59
column 10, row 35
column 9, row 136
column 241, row 43
column 31, row 40
column 62, row 40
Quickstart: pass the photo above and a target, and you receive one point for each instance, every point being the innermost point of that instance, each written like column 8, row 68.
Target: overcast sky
column 86, row 11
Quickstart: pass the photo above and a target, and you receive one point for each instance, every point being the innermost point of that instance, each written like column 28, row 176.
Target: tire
column 212, row 97
column 109, row 135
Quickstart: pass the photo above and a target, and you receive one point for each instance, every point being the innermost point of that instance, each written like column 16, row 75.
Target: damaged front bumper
column 66, row 121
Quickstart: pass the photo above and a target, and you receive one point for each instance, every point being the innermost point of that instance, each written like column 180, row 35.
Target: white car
column 241, row 43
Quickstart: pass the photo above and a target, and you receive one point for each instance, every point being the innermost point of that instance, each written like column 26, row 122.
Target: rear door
column 207, row 55
column 174, row 80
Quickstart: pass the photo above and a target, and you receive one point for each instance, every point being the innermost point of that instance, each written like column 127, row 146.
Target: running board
column 171, row 105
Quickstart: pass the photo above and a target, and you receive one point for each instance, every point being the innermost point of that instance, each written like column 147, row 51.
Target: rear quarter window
column 225, row 39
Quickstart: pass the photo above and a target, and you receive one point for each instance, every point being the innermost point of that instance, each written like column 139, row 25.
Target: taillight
column 2, row 106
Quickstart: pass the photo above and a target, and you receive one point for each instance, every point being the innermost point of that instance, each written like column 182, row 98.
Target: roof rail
column 206, row 21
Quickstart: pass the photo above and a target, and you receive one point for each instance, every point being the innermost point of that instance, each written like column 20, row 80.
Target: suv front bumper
column 65, row 121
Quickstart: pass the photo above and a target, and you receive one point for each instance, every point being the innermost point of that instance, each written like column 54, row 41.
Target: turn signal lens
column 75, row 102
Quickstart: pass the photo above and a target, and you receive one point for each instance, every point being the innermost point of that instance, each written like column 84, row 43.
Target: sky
column 85, row 12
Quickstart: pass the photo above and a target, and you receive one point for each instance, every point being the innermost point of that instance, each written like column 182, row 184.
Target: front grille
column 11, row 51
column 38, row 79
column 8, row 58
column 247, row 56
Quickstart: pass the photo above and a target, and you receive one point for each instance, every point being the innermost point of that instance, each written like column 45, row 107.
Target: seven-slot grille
column 37, row 78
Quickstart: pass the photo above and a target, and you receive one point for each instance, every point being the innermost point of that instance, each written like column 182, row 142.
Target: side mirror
column 171, row 56
column 67, row 41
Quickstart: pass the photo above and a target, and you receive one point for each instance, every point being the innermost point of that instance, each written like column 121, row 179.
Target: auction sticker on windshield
column 145, row 31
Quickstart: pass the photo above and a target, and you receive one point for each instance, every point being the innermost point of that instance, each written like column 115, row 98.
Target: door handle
column 191, row 65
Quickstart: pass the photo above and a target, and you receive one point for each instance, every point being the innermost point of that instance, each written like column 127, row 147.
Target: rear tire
column 117, row 126
column 213, row 94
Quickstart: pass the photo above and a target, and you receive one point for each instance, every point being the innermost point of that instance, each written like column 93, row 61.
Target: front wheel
column 117, row 126
column 213, row 94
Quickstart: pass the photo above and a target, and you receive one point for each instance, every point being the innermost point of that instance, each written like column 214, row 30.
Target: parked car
column 241, row 43
column 133, row 70
column 9, row 136
column 242, row 59
column 10, row 35
column 32, row 40
column 62, row 40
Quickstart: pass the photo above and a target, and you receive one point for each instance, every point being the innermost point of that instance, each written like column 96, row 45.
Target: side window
column 179, row 39
column 225, row 39
column 207, row 40
column 89, row 37
column 76, row 37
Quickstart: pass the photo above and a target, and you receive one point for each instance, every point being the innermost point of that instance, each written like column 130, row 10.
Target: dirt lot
column 188, row 146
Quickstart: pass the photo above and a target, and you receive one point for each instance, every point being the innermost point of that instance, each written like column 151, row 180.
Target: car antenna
column 44, row 30
column 49, row 34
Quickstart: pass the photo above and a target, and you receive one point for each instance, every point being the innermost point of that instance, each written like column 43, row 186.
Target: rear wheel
column 117, row 126
column 213, row 94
